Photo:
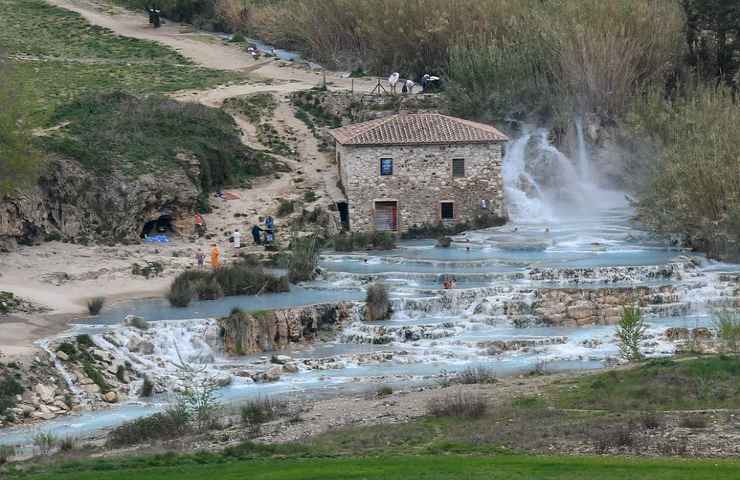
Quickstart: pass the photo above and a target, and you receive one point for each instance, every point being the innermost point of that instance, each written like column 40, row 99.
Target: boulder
column 110, row 397
column 62, row 356
column 45, row 392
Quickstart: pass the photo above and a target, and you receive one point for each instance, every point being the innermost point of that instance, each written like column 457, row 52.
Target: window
column 386, row 166
column 448, row 210
column 458, row 167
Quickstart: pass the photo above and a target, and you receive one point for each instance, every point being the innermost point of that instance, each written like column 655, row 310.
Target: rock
column 30, row 398
column 137, row 345
column 136, row 322
column 280, row 359
column 61, row 405
column 91, row 388
column 110, row 397
column 290, row 368
column 444, row 242
column 45, row 392
column 677, row 333
column 62, row 356
column 43, row 416
column 701, row 332
column 223, row 380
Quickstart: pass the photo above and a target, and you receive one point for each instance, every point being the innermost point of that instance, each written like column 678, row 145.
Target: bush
column 6, row 453
column 615, row 437
column 651, row 421
column 460, row 404
column 310, row 196
column 727, row 325
column 94, row 374
column 84, row 340
column 67, row 444
column 181, row 293
column 95, row 305
column 477, row 375
column 45, row 442
column 304, row 259
column 693, row 421
column 384, row 391
column 261, row 410
column 364, row 241
column 137, row 322
column 285, row 207
column 630, row 332
column 170, row 424
column 377, row 303
column 209, row 290
column 121, row 373
column 147, row 388
column 9, row 388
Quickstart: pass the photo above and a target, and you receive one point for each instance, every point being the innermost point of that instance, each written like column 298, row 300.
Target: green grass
column 68, row 56
column 712, row 382
column 427, row 467
column 255, row 107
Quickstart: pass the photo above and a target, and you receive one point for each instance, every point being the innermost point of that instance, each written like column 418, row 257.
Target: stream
column 569, row 235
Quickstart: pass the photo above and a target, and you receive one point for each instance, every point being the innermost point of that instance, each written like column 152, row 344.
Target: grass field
column 427, row 467
column 59, row 55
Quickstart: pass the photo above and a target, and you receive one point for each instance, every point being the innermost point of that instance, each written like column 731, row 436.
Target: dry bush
column 460, row 404
column 377, row 303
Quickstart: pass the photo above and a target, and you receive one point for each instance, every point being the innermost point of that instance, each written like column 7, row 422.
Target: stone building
column 416, row 169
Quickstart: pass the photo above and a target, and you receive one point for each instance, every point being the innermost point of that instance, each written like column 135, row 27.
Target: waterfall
column 524, row 198
column 584, row 160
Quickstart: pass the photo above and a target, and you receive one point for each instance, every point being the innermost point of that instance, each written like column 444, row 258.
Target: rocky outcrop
column 71, row 203
column 245, row 333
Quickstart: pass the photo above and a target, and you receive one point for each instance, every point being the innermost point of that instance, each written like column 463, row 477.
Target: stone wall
column 422, row 178
column 245, row 333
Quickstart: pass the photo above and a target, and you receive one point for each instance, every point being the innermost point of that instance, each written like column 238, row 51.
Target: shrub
column 614, row 437
column 377, row 303
column 6, row 453
column 84, row 340
column 209, row 290
column 477, row 375
column 304, row 259
column 727, row 325
column 147, row 388
column 460, row 404
column 285, row 207
column 364, row 241
column 137, row 322
column 693, row 421
column 68, row 348
column 45, row 442
column 121, row 373
column 310, row 196
column 67, row 444
column 630, row 332
column 651, row 421
column 261, row 410
column 384, row 391
column 181, row 293
column 94, row 374
column 9, row 388
column 95, row 305
column 172, row 423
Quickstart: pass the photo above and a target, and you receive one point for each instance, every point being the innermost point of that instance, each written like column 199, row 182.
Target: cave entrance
column 343, row 208
column 159, row 226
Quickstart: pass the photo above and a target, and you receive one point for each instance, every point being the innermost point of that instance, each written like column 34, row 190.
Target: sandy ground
column 33, row 273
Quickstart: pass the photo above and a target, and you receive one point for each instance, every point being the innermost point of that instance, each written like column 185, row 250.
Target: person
column 269, row 237
column 269, row 222
column 446, row 284
column 409, row 86
column 257, row 234
column 237, row 238
column 200, row 258
column 453, row 283
column 200, row 225
column 215, row 257
column 404, row 89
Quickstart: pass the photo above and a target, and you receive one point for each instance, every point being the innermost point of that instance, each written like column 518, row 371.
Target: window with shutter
column 458, row 167
column 386, row 166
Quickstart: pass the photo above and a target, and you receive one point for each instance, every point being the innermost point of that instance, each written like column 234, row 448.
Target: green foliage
column 6, row 453
column 69, row 57
column 285, row 207
column 256, row 412
column 304, row 258
column 384, row 391
column 239, row 278
column 19, row 161
column 45, row 442
column 364, row 241
column 148, row 135
column 713, row 38
column 660, row 384
column 255, row 107
column 727, row 325
column 95, row 305
column 147, row 388
column 9, row 388
column 94, row 374
column 310, row 196
column 630, row 332
column 84, row 340
column 377, row 303
column 440, row 230
column 170, row 424
column 693, row 186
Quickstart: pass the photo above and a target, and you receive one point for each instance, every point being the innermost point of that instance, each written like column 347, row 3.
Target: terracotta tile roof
column 417, row 129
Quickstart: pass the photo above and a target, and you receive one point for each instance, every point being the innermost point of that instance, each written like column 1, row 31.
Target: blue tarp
column 157, row 239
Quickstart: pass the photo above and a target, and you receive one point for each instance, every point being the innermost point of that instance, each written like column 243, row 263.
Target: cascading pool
column 552, row 241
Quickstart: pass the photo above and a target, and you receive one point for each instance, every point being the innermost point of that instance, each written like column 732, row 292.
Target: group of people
column 155, row 16
column 428, row 83
column 264, row 236
column 200, row 258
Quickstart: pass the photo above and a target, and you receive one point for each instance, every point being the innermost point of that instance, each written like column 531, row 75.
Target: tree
column 713, row 37
column 18, row 160
column 727, row 325
column 631, row 331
